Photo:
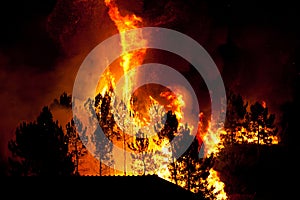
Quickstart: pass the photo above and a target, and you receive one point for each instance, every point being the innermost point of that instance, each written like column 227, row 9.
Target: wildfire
column 256, row 126
column 152, row 153
column 242, row 136
column 109, row 81
column 217, row 185
column 212, row 145
column 129, row 60
column 251, row 129
column 175, row 103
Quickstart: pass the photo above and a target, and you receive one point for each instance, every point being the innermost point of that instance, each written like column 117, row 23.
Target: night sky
column 255, row 45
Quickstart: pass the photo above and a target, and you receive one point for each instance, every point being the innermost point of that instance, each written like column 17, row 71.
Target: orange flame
column 215, row 182
column 212, row 145
column 109, row 81
column 264, row 104
column 210, row 138
column 129, row 59
column 242, row 135
column 175, row 103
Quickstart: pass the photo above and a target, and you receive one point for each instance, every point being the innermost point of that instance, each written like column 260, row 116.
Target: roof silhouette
column 140, row 187
column 95, row 187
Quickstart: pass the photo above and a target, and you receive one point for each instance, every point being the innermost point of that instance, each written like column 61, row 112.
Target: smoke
column 258, row 64
column 37, row 67
column 42, row 46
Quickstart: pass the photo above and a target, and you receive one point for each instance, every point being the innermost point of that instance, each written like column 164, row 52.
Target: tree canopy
column 40, row 148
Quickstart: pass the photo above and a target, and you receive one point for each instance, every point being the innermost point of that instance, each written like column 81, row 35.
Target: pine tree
column 261, row 123
column 145, row 160
column 103, row 142
column 248, row 123
column 76, row 147
column 235, row 116
column 40, row 148
column 168, row 132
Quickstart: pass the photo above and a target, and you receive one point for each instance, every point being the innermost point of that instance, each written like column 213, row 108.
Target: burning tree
column 193, row 172
column 182, row 169
column 249, row 125
column 235, row 115
column 126, row 117
column 143, row 161
column 249, row 128
column 262, row 123
column 106, row 122
column 147, row 155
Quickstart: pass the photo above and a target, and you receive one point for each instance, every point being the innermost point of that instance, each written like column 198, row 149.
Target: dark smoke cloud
column 42, row 45
column 258, row 57
column 261, row 65
column 26, row 54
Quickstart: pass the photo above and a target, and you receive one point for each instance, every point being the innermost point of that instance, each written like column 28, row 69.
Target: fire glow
column 134, row 120
column 173, row 102
column 129, row 60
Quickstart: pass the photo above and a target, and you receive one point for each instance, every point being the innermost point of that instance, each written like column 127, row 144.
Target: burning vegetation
column 148, row 133
column 145, row 123
column 154, row 153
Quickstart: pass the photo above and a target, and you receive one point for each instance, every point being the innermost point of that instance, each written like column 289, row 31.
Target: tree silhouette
column 168, row 132
column 235, row 116
column 170, row 127
column 3, row 168
column 246, row 124
column 103, row 143
column 64, row 100
column 76, row 147
column 189, row 170
column 184, row 167
column 200, row 185
column 261, row 122
column 249, row 129
column 144, row 159
column 40, row 148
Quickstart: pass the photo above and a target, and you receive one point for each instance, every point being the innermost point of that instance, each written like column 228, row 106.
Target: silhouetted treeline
column 249, row 123
column 252, row 164
column 42, row 148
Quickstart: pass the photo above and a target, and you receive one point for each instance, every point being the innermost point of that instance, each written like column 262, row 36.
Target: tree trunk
column 77, row 159
column 100, row 165
column 175, row 171
column 124, row 149
column 188, row 175
column 144, row 166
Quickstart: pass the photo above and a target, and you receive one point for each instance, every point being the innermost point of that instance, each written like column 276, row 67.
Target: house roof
column 96, row 187
column 139, row 187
